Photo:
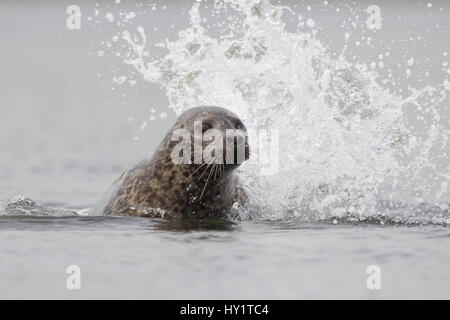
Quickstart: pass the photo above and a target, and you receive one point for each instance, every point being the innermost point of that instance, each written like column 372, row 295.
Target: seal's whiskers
column 209, row 175
column 196, row 170
column 202, row 192
column 190, row 176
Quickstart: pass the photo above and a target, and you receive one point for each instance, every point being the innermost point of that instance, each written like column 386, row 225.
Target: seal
column 174, row 183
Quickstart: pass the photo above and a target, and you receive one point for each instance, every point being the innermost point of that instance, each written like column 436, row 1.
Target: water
column 141, row 258
column 362, row 177
column 214, row 263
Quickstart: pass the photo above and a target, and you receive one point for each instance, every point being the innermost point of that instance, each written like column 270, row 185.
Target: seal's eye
column 238, row 124
column 206, row 126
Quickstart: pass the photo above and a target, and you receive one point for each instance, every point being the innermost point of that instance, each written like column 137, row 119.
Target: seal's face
column 191, row 174
column 217, row 136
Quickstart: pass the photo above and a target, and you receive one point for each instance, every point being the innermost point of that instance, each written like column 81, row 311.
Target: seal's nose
column 237, row 148
column 247, row 149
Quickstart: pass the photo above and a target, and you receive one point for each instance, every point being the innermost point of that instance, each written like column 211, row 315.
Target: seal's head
column 210, row 135
column 191, row 174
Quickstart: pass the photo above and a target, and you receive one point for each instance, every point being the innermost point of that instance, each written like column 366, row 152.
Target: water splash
column 343, row 137
column 23, row 206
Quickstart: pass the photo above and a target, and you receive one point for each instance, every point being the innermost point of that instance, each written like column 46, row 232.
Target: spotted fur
column 161, row 188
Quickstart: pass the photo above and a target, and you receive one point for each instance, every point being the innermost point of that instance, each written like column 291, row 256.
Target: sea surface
column 70, row 125
column 135, row 258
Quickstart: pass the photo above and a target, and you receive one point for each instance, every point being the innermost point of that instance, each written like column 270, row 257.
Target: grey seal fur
column 161, row 188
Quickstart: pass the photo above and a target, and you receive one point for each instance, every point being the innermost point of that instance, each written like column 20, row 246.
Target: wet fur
column 161, row 188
